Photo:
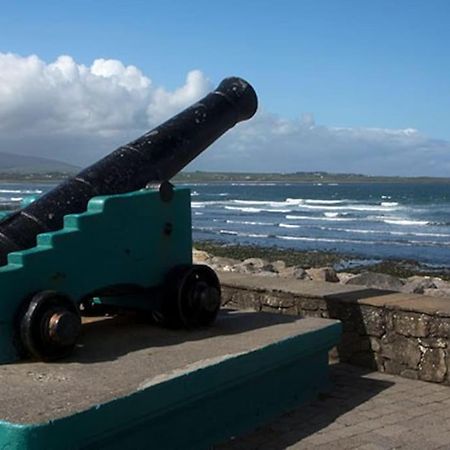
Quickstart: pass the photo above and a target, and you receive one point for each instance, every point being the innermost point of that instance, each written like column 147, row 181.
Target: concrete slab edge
column 194, row 409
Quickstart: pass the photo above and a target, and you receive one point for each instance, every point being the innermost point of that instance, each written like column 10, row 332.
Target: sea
column 370, row 221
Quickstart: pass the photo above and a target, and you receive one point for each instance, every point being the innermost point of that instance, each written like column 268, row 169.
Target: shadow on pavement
column 351, row 389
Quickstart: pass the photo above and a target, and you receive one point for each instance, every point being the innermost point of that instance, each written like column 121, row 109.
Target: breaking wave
column 406, row 222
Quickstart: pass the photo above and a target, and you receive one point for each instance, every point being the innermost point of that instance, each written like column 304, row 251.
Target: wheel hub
column 63, row 327
column 205, row 297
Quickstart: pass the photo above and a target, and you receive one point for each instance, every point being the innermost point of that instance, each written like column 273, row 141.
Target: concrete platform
column 133, row 385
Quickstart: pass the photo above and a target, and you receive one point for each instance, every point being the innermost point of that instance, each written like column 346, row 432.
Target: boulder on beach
column 440, row 292
column 199, row 256
column 275, row 266
column 323, row 274
column 440, row 283
column 251, row 265
column 345, row 276
column 377, row 280
column 417, row 284
column 222, row 263
column 295, row 272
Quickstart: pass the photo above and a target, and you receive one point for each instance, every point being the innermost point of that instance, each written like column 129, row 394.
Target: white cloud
column 50, row 109
column 270, row 143
column 77, row 113
column 165, row 104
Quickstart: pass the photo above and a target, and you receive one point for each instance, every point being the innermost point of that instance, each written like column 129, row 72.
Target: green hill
column 21, row 164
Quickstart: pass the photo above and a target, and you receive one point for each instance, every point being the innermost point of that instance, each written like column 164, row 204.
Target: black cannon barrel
column 154, row 157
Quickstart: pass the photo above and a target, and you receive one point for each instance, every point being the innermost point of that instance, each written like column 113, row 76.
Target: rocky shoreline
column 322, row 267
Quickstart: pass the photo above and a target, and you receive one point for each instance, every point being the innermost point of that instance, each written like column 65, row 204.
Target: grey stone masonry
column 397, row 333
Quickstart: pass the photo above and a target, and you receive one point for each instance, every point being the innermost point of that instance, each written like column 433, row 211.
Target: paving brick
column 405, row 404
column 370, row 446
column 366, row 411
column 370, row 425
column 392, row 430
column 420, row 444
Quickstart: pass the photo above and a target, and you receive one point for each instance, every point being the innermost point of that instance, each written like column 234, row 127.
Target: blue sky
column 352, row 65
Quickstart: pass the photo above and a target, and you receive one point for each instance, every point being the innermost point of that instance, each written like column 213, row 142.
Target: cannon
column 116, row 235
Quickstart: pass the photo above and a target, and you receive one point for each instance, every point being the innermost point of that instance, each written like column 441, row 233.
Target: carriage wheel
column 192, row 297
column 50, row 325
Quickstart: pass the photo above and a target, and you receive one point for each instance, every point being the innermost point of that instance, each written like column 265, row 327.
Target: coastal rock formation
column 251, row 265
column 200, row 256
column 377, row 280
column 344, row 277
column 417, row 284
column 437, row 292
column 323, row 274
column 295, row 272
column 275, row 266
column 221, row 263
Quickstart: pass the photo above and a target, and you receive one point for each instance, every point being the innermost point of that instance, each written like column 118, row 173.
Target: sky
column 344, row 86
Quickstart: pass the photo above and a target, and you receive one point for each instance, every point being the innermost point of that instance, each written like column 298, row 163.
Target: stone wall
column 404, row 334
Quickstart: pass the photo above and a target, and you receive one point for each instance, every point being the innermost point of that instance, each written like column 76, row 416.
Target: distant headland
column 23, row 168
column 297, row 177
column 53, row 173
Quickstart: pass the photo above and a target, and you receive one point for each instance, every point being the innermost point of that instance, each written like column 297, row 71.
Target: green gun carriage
column 117, row 235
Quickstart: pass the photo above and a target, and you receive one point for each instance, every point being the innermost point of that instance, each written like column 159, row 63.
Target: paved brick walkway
column 365, row 411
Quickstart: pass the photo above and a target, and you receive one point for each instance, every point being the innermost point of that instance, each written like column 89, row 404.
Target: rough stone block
column 369, row 320
column 277, row 301
column 401, row 349
column 410, row 373
column 375, row 344
column 433, row 366
column 441, row 327
column 310, row 304
column 308, row 313
column 433, row 342
column 242, row 298
column 412, row 324
column 394, row 367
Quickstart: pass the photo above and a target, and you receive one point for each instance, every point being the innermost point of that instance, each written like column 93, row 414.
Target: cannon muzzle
column 152, row 158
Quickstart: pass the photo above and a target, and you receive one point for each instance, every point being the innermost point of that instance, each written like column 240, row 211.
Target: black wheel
column 192, row 297
column 49, row 325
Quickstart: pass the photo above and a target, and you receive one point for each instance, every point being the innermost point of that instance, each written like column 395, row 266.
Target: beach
column 395, row 275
